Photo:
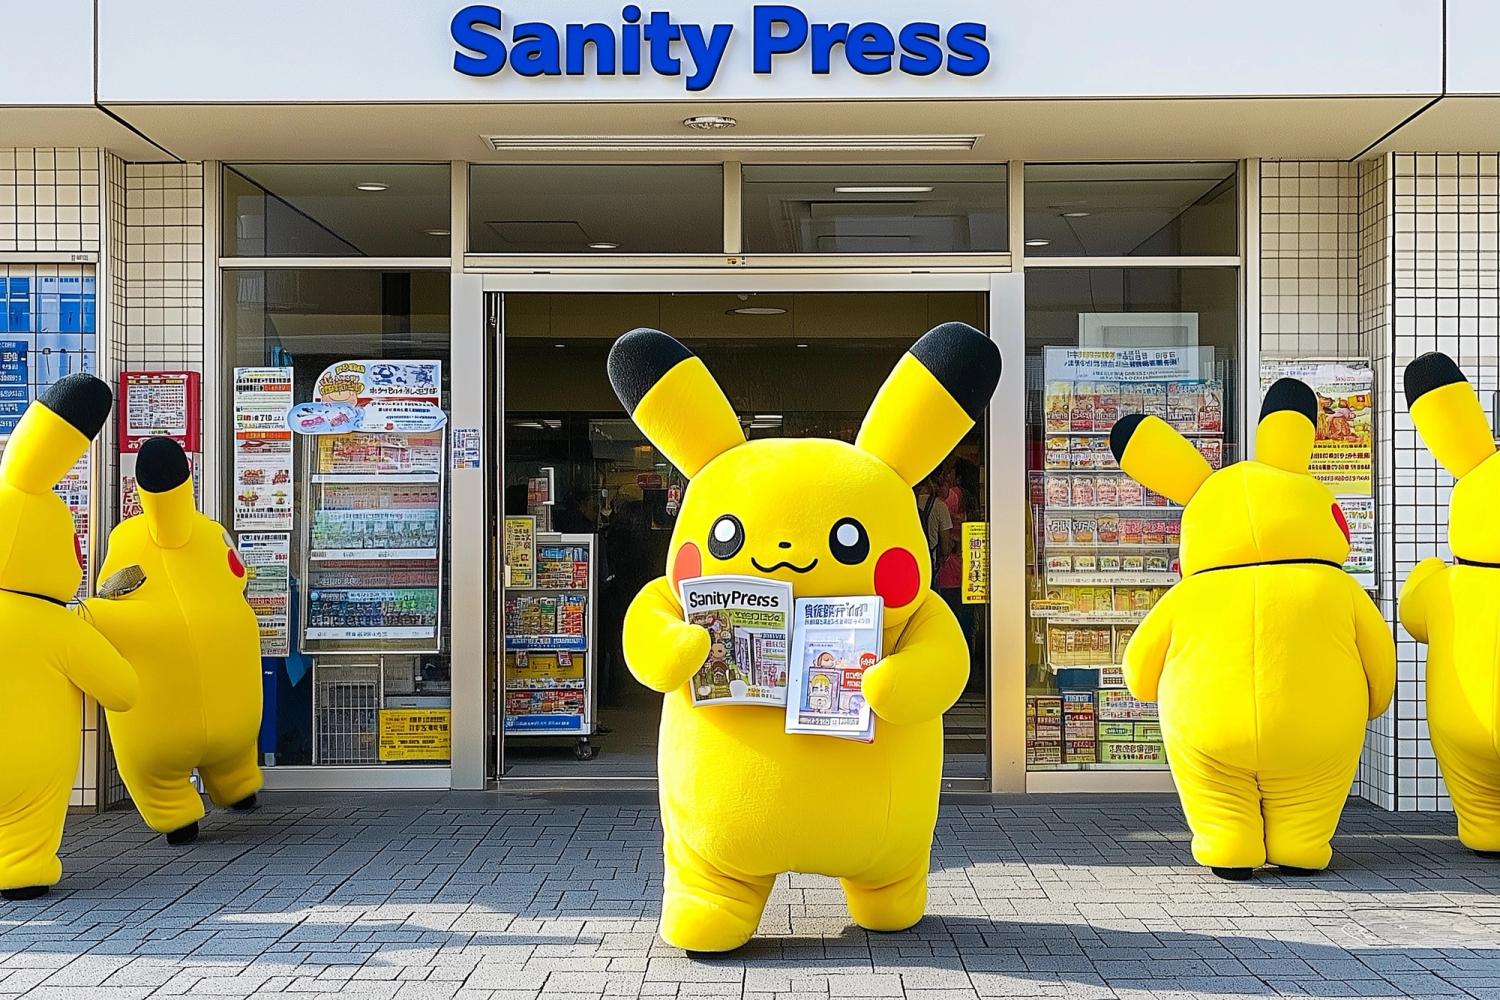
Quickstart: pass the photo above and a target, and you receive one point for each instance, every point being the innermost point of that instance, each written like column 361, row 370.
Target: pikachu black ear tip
column 1121, row 433
column 964, row 361
column 161, row 466
column 638, row 360
column 82, row 400
column 1290, row 394
column 1431, row 371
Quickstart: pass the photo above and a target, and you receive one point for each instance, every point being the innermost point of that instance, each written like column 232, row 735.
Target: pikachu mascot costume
column 1455, row 609
column 1267, row 659
column 743, row 801
column 181, row 618
column 50, row 652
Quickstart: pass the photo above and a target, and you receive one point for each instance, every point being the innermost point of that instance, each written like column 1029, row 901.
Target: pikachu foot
column 24, row 894
column 185, row 835
column 695, row 924
column 1299, row 872
column 1233, row 874
column 893, row 907
column 247, row 804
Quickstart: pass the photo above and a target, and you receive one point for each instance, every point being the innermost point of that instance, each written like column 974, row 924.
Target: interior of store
column 793, row 365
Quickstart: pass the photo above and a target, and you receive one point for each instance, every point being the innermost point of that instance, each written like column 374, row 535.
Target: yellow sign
column 976, row 559
column 520, row 552
column 416, row 734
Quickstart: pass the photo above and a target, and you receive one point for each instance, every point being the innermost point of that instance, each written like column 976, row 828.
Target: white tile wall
column 1309, row 263
column 49, row 199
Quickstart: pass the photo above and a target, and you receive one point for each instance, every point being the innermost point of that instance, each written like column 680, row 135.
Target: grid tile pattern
column 1445, row 218
column 163, row 266
column 414, row 896
column 1309, row 261
column 49, row 200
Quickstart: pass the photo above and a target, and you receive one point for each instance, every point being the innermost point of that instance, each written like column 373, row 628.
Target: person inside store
column 948, row 574
column 937, row 520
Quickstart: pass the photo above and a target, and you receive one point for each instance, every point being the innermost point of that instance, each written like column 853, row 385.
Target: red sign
column 159, row 404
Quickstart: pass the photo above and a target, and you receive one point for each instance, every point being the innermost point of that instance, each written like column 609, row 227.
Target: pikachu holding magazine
column 742, row 800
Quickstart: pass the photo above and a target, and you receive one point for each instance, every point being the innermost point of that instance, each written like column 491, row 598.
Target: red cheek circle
column 78, row 551
column 687, row 564
column 235, row 566
column 897, row 577
column 1341, row 521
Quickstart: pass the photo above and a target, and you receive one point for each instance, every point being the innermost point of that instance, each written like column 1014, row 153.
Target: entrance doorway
column 602, row 502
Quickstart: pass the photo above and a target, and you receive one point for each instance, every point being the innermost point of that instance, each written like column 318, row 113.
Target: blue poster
column 14, row 377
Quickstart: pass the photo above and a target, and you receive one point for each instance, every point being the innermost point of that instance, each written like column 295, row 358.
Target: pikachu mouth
column 782, row 565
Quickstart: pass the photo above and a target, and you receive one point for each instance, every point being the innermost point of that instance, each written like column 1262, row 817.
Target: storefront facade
column 486, row 197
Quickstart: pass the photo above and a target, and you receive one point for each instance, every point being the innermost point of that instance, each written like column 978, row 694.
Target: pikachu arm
column 1412, row 606
column 661, row 649
column 1377, row 650
column 928, row 670
column 1146, row 652
column 94, row 666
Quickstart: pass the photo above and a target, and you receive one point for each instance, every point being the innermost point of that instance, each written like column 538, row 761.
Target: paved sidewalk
column 430, row 897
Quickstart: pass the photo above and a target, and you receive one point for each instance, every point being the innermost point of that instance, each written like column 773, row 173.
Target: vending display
column 372, row 538
column 550, row 639
column 1103, row 549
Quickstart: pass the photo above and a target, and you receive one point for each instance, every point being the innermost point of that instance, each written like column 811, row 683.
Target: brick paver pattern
column 469, row 895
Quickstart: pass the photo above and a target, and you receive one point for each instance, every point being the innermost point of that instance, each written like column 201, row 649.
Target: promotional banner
column 263, row 491
column 373, row 396
column 1133, row 364
column 976, row 561
column 268, row 557
column 520, row 552
column 415, row 734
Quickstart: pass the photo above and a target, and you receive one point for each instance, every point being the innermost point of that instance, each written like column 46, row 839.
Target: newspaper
column 749, row 625
column 834, row 641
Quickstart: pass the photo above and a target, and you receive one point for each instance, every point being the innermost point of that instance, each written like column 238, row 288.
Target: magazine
column 834, row 641
column 749, row 623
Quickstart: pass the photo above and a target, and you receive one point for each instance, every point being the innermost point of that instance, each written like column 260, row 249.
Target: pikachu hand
column 925, row 675
column 1411, row 608
column 661, row 649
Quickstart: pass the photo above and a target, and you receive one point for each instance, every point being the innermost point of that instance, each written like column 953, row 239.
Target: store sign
column 780, row 37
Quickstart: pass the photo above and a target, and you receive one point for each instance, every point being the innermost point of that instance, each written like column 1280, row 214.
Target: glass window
column 336, row 209
column 917, row 209
column 1131, row 209
column 1101, row 550
column 359, row 519
column 596, row 209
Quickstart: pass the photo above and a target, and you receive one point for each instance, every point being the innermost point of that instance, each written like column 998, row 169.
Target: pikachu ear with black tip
column 1447, row 413
column 1153, row 454
column 1288, row 425
column 672, row 398
column 932, row 397
column 54, row 432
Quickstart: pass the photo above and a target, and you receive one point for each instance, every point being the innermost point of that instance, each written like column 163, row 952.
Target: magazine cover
column 749, row 622
column 834, row 641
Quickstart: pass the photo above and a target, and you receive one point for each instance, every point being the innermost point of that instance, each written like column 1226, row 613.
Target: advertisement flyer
column 749, row 622
column 377, row 397
column 74, row 489
column 1359, row 512
column 268, row 557
column 159, row 404
column 468, row 443
column 976, row 560
column 372, row 613
column 1136, row 364
column 386, row 456
column 263, row 492
column 415, row 734
column 834, row 641
column 15, row 378
column 520, row 552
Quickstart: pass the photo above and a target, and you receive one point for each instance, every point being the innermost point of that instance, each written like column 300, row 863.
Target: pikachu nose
column 784, row 545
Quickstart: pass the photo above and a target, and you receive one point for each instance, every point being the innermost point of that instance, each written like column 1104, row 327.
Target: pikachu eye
column 726, row 538
column 849, row 542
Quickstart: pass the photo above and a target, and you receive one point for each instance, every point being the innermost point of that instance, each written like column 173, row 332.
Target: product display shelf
column 549, row 672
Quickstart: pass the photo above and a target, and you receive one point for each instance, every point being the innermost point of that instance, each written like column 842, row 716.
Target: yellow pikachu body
column 743, row 801
column 195, row 643
column 50, row 652
column 1267, row 659
column 1455, row 609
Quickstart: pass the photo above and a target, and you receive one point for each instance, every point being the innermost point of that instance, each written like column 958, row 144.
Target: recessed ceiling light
column 710, row 123
column 438, row 232
column 885, row 189
column 604, row 245
column 1038, row 243
column 1075, row 215
column 372, row 186
column 801, row 345
column 757, row 311
column 559, row 345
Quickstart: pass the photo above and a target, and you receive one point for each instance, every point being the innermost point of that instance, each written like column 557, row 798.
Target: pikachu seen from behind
column 742, row 800
column 1266, row 659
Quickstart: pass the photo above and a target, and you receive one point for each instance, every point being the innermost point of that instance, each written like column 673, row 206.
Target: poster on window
column 378, row 397
column 520, row 552
column 263, row 491
column 975, row 540
column 415, row 734
column 15, row 379
column 268, row 557
column 1133, row 364
column 74, row 490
